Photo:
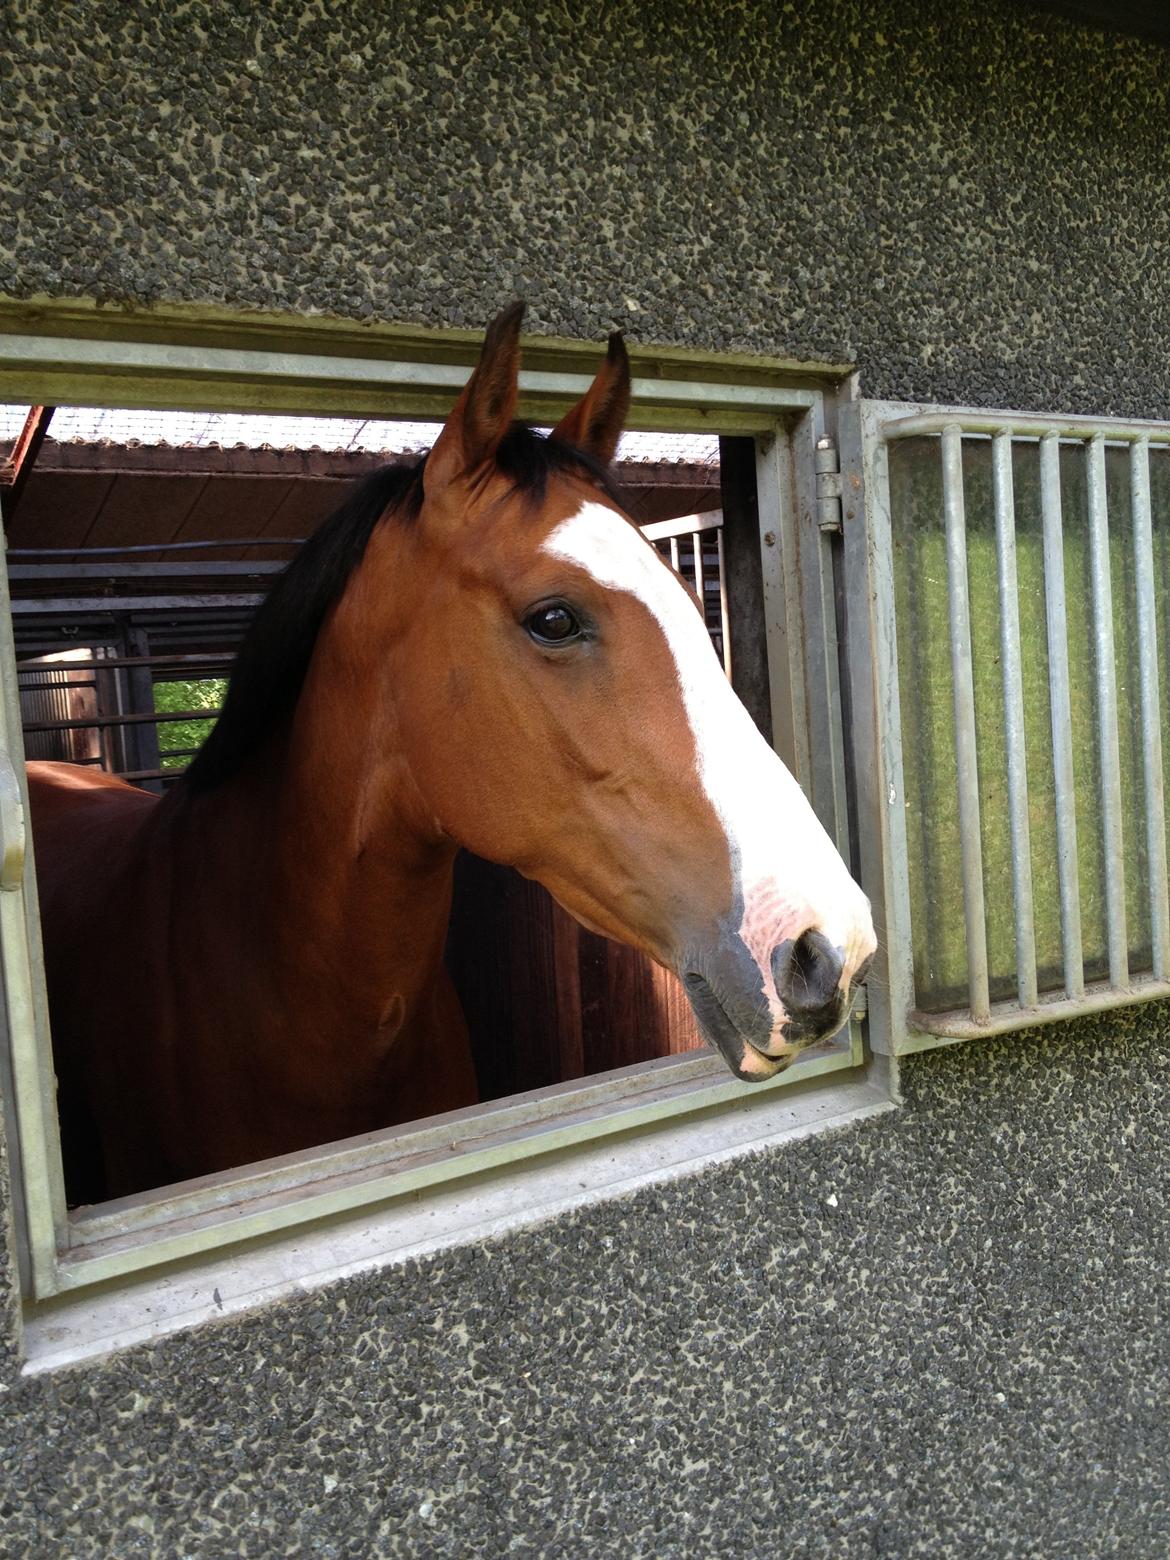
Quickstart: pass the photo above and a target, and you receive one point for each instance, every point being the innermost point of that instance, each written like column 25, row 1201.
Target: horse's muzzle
column 808, row 972
column 728, row 1000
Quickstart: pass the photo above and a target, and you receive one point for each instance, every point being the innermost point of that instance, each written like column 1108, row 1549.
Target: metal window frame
column 868, row 429
column 79, row 357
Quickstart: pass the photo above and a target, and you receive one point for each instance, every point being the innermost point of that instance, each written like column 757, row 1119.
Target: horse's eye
column 553, row 624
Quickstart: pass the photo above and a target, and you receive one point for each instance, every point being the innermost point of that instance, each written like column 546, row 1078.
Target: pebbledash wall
column 941, row 1332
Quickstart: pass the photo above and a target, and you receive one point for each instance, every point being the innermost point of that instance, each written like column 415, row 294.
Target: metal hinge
column 828, row 478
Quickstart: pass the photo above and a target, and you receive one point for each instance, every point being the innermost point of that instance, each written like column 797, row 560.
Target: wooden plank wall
column 545, row 1000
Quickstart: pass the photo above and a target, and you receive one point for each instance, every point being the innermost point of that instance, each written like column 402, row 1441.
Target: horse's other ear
column 483, row 413
column 596, row 422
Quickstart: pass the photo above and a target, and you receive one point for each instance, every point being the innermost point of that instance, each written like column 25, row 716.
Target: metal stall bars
column 1008, row 594
column 94, row 638
column 702, row 567
column 95, row 706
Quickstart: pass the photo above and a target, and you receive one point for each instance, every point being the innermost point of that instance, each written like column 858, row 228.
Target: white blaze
column 786, row 866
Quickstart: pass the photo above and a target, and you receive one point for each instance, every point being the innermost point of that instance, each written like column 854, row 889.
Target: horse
column 478, row 651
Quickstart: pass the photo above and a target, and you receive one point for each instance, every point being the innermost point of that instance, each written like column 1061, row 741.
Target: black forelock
column 528, row 459
column 272, row 662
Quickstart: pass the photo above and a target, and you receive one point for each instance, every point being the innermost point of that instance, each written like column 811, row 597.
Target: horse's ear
column 483, row 413
column 595, row 424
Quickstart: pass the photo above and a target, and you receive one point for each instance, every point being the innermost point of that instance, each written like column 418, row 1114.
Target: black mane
column 273, row 660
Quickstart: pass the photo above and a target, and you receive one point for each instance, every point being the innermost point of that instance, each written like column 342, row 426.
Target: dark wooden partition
column 745, row 578
column 546, row 1000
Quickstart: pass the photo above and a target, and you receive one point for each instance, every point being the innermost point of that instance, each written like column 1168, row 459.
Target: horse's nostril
column 807, row 973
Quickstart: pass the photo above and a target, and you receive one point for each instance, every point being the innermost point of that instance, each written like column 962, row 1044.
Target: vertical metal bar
column 37, row 1156
column 822, row 668
column 674, row 554
column 1061, row 708
column 142, row 740
column 783, row 615
column 1147, row 630
column 1013, row 707
column 700, row 584
column 966, row 756
column 743, row 573
column 876, row 725
column 1107, row 740
column 724, row 610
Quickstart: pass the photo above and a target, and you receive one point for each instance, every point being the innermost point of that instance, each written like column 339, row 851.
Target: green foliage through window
column 179, row 739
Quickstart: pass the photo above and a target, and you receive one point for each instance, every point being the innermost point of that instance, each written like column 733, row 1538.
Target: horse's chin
column 745, row 1060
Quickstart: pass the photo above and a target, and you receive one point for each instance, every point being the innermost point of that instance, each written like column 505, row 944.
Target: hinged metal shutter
column 1008, row 593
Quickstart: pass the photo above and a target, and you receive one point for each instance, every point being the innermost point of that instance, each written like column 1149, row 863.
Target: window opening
column 171, row 548
column 121, row 649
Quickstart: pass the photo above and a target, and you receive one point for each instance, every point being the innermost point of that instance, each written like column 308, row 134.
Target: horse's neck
column 370, row 889
column 316, row 853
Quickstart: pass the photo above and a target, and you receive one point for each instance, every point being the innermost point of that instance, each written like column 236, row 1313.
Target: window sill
column 228, row 1281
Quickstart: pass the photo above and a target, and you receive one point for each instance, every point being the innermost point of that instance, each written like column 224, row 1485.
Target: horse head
column 559, row 708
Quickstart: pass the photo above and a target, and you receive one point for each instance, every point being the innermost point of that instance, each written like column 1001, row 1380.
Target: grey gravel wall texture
column 942, row 1333
column 966, row 199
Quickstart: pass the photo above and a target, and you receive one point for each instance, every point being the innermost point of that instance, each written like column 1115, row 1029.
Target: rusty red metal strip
column 15, row 470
